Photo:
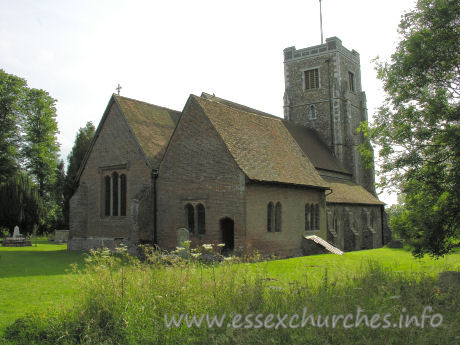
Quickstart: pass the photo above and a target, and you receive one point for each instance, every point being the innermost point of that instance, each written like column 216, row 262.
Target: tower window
column 311, row 79
column 351, row 81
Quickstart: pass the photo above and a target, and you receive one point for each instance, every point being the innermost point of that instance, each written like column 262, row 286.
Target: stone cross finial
column 118, row 89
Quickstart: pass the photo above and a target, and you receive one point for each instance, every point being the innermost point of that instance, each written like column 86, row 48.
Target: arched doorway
column 227, row 230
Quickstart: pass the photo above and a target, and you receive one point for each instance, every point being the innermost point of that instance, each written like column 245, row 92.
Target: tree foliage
column 81, row 146
column 28, row 151
column 417, row 127
column 12, row 93
column 40, row 148
column 20, row 204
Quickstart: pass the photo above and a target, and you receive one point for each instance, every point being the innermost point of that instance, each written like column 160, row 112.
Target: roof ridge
column 147, row 103
column 261, row 113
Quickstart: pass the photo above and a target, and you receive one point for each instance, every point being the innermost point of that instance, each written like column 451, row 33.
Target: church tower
column 323, row 91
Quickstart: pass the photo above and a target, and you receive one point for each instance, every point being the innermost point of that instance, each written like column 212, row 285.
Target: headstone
column 61, row 236
column 182, row 236
column 16, row 233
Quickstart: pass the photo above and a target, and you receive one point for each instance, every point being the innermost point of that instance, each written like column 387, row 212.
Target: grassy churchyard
column 116, row 299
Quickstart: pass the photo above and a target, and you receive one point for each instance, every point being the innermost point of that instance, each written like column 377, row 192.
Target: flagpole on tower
column 321, row 21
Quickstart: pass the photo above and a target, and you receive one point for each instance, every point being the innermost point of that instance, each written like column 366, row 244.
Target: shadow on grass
column 37, row 263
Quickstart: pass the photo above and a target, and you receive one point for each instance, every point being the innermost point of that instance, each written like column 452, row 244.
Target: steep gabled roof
column 308, row 139
column 260, row 144
column 347, row 192
column 151, row 125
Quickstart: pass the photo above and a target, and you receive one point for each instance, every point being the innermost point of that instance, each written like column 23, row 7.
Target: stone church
column 235, row 175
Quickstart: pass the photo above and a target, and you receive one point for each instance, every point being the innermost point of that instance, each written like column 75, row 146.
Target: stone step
column 325, row 244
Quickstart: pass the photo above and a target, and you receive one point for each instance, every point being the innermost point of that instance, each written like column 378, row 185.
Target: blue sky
column 162, row 51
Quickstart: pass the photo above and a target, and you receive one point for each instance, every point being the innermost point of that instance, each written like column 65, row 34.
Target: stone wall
column 354, row 227
column 289, row 241
column 115, row 149
column 78, row 212
column 198, row 168
column 339, row 110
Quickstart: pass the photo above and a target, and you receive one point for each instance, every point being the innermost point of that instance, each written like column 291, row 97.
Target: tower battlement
column 333, row 44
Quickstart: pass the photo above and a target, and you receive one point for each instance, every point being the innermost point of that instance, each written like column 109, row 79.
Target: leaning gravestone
column 16, row 233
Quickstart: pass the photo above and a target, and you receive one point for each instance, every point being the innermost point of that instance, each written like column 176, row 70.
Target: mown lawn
column 37, row 279
column 34, row 278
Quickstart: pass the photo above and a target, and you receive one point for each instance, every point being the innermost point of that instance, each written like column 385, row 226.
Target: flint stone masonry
column 339, row 109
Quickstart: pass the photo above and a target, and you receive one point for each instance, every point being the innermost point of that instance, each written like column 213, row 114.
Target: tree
column 40, row 148
column 12, row 94
column 20, row 204
column 28, row 153
column 417, row 127
column 81, row 145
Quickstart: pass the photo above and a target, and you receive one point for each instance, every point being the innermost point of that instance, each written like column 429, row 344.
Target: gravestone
column 182, row 236
column 61, row 236
column 16, row 233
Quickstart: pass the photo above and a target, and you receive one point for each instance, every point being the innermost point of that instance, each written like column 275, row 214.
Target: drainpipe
column 154, row 185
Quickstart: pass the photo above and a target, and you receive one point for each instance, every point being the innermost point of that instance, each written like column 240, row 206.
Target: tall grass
column 124, row 300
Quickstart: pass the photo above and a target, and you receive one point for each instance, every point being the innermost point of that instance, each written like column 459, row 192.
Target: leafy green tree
column 20, row 204
column 41, row 148
column 417, row 127
column 81, row 145
column 12, row 94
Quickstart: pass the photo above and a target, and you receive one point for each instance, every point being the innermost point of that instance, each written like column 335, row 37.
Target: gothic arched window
column 107, row 195
column 307, row 217
column 315, row 215
column 190, row 218
column 115, row 194
column 270, row 217
column 278, row 217
column 201, row 219
column 122, row 195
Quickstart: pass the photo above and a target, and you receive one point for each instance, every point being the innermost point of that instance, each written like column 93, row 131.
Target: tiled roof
column 348, row 192
column 260, row 144
column 152, row 125
column 315, row 148
column 308, row 139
